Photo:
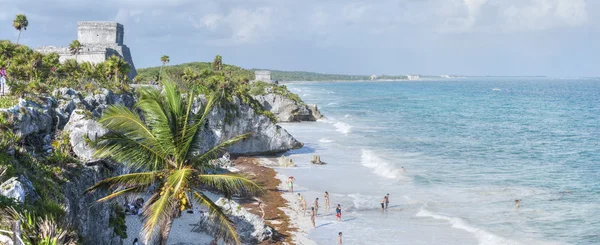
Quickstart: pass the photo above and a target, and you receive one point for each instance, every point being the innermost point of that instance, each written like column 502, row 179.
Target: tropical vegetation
column 313, row 76
column 20, row 24
column 32, row 73
column 165, row 148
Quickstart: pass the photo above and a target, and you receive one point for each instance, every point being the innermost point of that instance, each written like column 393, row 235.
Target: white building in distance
column 264, row 76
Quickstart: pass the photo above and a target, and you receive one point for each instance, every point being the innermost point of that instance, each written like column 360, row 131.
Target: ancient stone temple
column 100, row 40
column 264, row 76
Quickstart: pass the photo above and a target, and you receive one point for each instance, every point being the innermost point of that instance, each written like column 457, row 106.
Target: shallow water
column 469, row 150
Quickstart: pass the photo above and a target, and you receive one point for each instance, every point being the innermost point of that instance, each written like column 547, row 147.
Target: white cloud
column 545, row 14
column 242, row 25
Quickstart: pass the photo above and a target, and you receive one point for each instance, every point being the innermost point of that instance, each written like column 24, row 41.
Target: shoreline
column 280, row 208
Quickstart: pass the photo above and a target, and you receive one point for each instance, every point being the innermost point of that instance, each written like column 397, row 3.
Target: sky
column 558, row 38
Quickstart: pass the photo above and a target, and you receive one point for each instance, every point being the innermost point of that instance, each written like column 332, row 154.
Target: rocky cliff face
column 287, row 110
column 75, row 114
column 267, row 137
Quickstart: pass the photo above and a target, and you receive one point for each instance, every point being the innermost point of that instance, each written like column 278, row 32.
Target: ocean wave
column 380, row 166
column 325, row 140
column 342, row 127
column 484, row 237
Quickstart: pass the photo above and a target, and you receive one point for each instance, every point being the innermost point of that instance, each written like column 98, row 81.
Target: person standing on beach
column 387, row 200
column 312, row 216
column 290, row 183
column 299, row 202
column 304, row 205
column 327, row 207
column 317, row 206
column 338, row 213
column 340, row 238
column 383, row 203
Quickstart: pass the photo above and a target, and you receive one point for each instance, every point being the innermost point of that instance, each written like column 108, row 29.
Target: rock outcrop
column 287, row 110
column 267, row 138
column 90, row 217
column 250, row 227
column 80, row 127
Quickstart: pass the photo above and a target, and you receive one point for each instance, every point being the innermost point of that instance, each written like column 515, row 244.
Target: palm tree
column 217, row 63
column 165, row 146
column 20, row 23
column 75, row 48
column 116, row 65
column 164, row 59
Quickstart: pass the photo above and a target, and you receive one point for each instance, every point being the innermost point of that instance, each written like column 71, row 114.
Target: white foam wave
column 347, row 115
column 342, row 127
column 332, row 103
column 325, row 140
column 483, row 237
column 380, row 166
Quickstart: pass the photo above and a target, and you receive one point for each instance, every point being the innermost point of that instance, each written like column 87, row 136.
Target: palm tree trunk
column 19, row 37
column 160, row 72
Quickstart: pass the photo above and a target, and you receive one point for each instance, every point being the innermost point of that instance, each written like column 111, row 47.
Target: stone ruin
column 99, row 40
column 264, row 76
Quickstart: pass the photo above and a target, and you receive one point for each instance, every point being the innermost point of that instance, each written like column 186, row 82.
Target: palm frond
column 131, row 190
column 127, row 180
column 179, row 179
column 229, row 183
column 119, row 118
column 136, row 154
column 151, row 102
column 219, row 149
column 224, row 227
column 159, row 212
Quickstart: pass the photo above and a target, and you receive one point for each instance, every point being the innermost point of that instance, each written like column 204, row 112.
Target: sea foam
column 342, row 127
column 380, row 166
column 483, row 237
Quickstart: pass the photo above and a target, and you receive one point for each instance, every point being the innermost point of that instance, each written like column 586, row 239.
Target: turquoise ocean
column 470, row 146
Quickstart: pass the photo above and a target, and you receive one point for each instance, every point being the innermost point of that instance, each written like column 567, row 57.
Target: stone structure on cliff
column 100, row 40
column 264, row 76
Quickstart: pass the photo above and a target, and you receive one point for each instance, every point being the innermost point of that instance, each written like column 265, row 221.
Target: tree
column 20, row 23
column 75, row 48
column 217, row 64
column 165, row 148
column 117, row 67
column 164, row 59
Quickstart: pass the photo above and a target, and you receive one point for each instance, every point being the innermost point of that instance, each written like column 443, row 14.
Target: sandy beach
column 280, row 209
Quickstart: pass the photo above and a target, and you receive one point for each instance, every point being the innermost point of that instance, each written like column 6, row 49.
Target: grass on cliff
column 262, row 88
column 8, row 101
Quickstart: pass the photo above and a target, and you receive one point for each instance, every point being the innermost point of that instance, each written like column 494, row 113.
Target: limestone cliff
column 288, row 110
column 75, row 114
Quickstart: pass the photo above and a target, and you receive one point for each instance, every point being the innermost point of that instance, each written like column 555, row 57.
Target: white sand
column 181, row 231
column 297, row 219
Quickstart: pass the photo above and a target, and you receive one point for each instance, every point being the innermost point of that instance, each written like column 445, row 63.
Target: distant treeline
column 313, row 76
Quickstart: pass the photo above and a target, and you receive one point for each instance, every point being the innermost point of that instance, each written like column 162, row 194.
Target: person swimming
column 387, row 200
column 327, row 202
column 403, row 169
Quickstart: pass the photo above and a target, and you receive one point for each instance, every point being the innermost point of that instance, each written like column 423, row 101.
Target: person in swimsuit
column 299, row 202
column 317, row 206
column 340, row 238
column 290, row 182
column 327, row 202
column 517, row 203
column 387, row 200
column 304, row 205
column 383, row 203
column 403, row 169
column 338, row 213
column 312, row 216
